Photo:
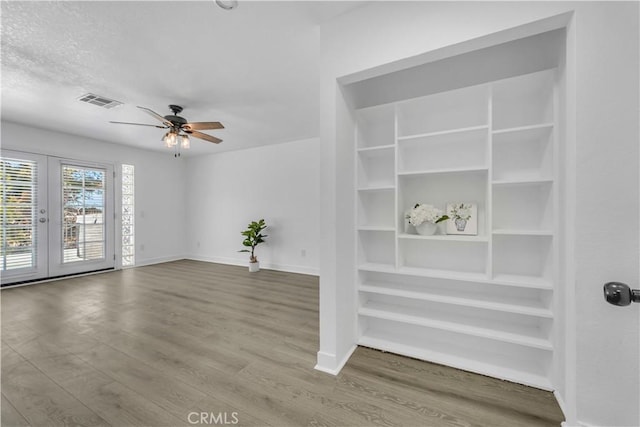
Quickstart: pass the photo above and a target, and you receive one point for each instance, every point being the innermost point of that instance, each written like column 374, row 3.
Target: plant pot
column 254, row 266
column 426, row 228
column 461, row 224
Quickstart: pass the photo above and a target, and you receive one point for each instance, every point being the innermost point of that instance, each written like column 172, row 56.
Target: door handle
column 43, row 220
column 617, row 293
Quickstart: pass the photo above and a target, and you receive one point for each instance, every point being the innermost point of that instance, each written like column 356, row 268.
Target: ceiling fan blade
column 139, row 124
column 205, row 137
column 157, row 116
column 202, row 126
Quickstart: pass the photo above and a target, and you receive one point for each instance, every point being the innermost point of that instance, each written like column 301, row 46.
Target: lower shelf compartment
column 499, row 327
column 500, row 360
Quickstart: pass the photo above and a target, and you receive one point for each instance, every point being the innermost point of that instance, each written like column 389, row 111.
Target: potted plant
column 253, row 237
column 424, row 218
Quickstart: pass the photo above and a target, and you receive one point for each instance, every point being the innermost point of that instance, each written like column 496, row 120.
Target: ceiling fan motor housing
column 176, row 120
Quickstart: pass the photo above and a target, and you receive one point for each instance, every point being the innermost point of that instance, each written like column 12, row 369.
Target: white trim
column 300, row 269
column 577, row 424
column 570, row 388
column 326, row 361
column 521, row 31
column 55, row 279
column 159, row 260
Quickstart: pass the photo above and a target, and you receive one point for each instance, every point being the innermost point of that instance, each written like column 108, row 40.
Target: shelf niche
column 524, row 100
column 466, row 148
column 375, row 208
column 525, row 154
column 527, row 206
column 438, row 189
column 376, row 126
column 376, row 247
column 455, row 109
column 376, row 168
column 442, row 255
column 523, row 256
column 509, row 361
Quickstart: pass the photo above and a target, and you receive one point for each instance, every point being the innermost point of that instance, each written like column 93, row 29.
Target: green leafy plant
column 253, row 237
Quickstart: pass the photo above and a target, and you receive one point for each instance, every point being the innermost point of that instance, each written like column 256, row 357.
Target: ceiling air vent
column 100, row 101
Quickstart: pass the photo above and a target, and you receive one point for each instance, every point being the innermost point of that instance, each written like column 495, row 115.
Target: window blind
column 18, row 190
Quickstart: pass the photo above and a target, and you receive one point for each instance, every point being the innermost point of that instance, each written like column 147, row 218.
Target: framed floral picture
column 463, row 218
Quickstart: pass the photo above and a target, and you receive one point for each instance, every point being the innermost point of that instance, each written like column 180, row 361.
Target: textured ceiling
column 255, row 68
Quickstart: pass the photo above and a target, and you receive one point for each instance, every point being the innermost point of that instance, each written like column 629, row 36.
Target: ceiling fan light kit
column 179, row 128
column 227, row 4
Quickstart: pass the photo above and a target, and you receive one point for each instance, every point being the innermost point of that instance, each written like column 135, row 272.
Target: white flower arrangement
column 461, row 211
column 425, row 213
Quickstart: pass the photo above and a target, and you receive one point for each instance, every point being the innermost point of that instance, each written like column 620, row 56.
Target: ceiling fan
column 179, row 128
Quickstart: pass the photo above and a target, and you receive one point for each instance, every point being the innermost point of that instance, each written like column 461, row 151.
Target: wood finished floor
column 147, row 346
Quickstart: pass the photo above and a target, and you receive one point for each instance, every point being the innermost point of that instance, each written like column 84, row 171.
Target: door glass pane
column 83, row 207
column 18, row 180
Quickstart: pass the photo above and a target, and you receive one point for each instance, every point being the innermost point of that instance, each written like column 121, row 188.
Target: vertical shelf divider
column 399, row 217
column 489, row 208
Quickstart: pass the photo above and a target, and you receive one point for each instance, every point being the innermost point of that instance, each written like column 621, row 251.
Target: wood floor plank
column 154, row 345
column 174, row 396
column 115, row 403
column 10, row 416
column 41, row 401
column 9, row 356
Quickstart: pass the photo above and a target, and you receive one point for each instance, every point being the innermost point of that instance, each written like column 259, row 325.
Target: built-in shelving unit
column 483, row 303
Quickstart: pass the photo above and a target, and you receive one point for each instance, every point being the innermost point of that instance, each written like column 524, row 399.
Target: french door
column 57, row 217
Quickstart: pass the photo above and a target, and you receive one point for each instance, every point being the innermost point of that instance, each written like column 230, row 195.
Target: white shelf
column 375, row 228
column 464, row 363
column 523, row 181
column 443, row 133
column 501, row 280
column 444, row 171
column 443, row 274
column 378, row 188
column 377, row 267
column 492, row 334
column 465, row 302
column 520, row 280
column 445, row 237
column 375, row 149
column 522, row 232
column 524, row 128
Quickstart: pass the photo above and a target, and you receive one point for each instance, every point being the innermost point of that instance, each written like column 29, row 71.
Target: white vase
column 426, row 228
column 254, row 266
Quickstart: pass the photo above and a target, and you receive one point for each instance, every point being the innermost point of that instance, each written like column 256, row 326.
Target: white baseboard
column 328, row 362
column 267, row 266
column 159, row 260
column 577, row 424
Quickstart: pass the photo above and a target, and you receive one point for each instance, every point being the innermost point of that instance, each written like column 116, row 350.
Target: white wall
column 159, row 184
column 279, row 183
column 606, row 190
